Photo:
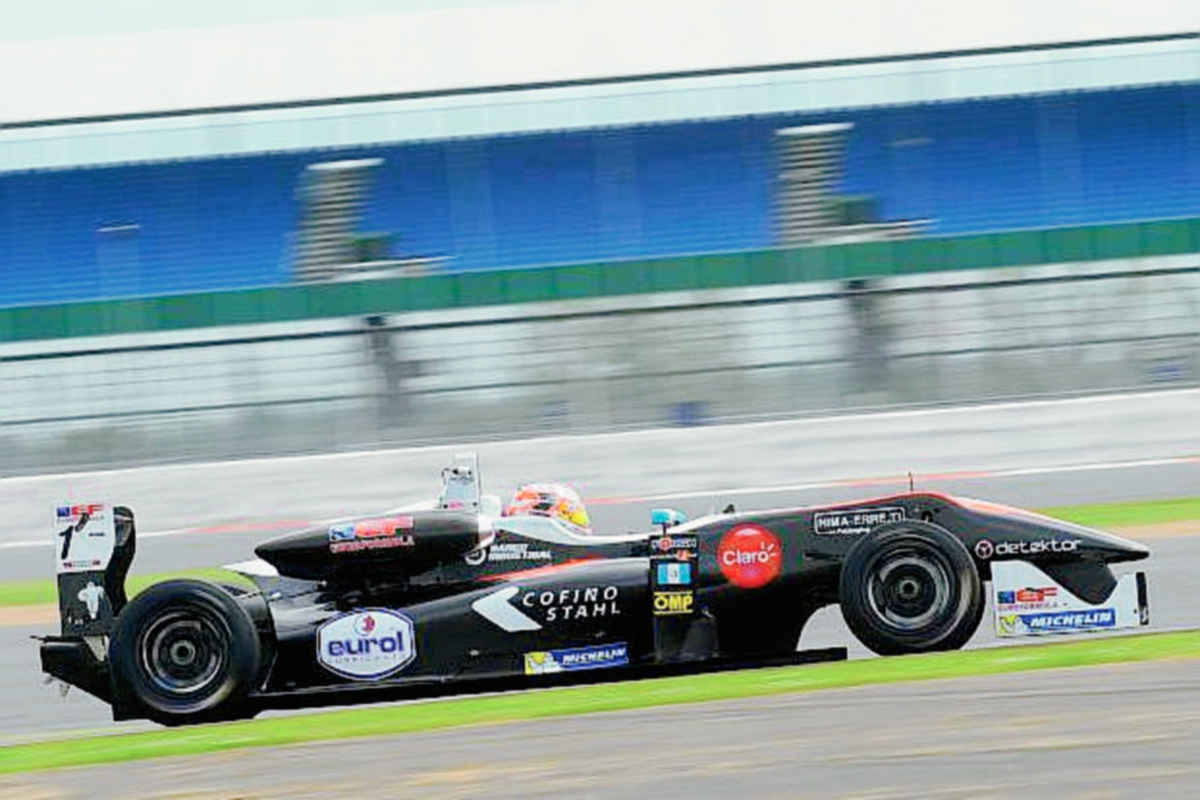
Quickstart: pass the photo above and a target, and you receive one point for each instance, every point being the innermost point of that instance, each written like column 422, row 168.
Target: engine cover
column 390, row 546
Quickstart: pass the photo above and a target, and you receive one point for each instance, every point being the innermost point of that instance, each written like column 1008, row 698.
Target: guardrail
column 666, row 359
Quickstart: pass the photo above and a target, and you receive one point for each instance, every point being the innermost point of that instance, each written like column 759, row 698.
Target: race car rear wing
column 94, row 547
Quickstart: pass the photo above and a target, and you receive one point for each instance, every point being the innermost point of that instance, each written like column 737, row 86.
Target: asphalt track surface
column 1123, row 731
column 33, row 710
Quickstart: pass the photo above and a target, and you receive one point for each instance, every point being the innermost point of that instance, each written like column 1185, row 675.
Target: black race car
column 461, row 594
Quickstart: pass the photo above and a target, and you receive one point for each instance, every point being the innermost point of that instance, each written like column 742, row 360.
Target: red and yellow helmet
column 549, row 500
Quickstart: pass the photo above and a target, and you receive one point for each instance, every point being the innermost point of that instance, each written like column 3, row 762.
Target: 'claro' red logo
column 750, row 556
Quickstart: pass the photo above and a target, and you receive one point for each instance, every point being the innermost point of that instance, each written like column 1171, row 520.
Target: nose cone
column 1031, row 531
column 1107, row 547
column 1112, row 548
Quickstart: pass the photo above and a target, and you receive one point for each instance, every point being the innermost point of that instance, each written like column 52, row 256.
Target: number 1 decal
column 69, row 533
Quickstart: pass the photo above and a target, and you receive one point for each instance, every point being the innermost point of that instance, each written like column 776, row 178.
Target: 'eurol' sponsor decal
column 366, row 645
column 576, row 658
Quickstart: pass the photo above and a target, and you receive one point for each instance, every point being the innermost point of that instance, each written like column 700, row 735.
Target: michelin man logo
column 90, row 596
column 541, row 664
column 576, row 658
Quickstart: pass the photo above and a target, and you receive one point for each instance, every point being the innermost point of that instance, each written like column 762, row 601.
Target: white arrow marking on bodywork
column 496, row 609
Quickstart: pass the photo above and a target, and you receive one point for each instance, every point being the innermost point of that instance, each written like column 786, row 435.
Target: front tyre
column 185, row 651
column 910, row 587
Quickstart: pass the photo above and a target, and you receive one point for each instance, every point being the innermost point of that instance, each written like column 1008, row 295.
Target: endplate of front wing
column 1028, row 602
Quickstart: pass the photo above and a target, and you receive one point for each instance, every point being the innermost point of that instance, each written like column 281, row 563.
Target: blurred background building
column 267, row 231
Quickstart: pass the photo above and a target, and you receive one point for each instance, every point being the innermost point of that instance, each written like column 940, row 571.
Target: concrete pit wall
column 679, row 358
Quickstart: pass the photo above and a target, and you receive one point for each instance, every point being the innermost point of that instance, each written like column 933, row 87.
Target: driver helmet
column 550, row 500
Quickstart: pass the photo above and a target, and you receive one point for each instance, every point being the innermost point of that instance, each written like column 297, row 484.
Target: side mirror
column 490, row 505
column 666, row 517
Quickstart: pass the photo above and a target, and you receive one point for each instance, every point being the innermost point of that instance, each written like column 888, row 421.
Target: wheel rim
column 910, row 589
column 184, row 653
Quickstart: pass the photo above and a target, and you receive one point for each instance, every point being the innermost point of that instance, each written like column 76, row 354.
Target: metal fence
column 668, row 359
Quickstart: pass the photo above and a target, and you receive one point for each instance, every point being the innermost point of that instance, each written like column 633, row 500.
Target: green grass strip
column 43, row 591
column 1123, row 515
column 409, row 718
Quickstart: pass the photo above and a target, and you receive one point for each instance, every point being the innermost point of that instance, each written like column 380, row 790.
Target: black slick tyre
column 910, row 587
column 185, row 651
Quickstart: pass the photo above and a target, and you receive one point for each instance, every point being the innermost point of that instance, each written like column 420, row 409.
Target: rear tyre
column 910, row 587
column 185, row 651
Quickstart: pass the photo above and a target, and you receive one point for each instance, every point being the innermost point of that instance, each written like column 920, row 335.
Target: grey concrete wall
column 1007, row 436
column 810, row 348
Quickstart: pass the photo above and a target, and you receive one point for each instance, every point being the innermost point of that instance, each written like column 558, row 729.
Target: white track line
column 467, row 444
column 792, row 487
column 965, row 475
